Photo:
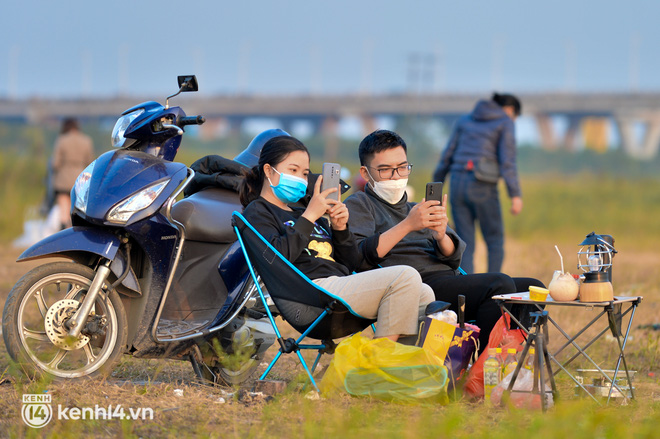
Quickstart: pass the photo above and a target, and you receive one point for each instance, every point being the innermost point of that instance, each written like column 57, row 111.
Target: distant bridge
column 585, row 112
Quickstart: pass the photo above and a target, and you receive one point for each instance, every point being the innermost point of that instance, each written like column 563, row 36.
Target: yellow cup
column 538, row 294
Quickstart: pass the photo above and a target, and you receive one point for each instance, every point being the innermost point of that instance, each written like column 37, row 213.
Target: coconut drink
column 563, row 286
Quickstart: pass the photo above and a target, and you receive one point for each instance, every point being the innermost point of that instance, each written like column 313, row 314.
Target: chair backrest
column 299, row 300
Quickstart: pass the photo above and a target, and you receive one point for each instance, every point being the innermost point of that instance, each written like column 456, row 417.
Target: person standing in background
column 481, row 149
column 72, row 153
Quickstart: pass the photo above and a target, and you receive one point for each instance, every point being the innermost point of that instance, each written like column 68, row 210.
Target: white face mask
column 389, row 190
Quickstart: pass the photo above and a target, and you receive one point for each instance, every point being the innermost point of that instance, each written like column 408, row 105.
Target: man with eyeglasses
column 393, row 231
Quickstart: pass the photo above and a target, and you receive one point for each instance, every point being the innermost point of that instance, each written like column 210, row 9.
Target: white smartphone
column 330, row 175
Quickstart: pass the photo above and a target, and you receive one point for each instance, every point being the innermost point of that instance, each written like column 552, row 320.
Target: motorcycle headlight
column 123, row 122
column 81, row 187
column 123, row 211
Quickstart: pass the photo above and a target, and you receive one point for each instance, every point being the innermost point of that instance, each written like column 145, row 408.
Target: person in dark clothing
column 327, row 252
column 481, row 149
column 392, row 231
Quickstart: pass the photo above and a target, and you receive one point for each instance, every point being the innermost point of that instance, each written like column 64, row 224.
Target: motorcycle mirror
column 186, row 83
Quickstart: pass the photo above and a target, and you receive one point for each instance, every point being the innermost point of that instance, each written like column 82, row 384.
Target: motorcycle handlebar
column 191, row 120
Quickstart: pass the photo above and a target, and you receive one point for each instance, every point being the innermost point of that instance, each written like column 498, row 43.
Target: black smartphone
column 434, row 191
column 330, row 175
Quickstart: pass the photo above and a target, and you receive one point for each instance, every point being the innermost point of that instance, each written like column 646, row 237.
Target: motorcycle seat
column 206, row 215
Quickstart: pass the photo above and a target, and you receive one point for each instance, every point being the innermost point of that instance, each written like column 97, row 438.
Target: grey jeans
column 395, row 296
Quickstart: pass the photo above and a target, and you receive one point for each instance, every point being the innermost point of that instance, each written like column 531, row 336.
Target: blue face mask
column 290, row 189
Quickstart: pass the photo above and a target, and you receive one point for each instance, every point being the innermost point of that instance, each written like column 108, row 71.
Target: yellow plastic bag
column 455, row 345
column 386, row 370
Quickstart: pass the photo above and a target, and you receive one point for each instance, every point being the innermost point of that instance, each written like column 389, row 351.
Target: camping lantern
column 595, row 259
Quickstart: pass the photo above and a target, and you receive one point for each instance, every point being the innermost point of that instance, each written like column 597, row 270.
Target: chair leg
column 290, row 345
column 270, row 366
column 316, row 362
column 309, row 374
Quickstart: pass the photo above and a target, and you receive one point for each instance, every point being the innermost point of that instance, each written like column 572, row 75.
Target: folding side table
column 613, row 311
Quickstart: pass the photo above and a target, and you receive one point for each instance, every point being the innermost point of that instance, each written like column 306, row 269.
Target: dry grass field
column 560, row 213
column 225, row 412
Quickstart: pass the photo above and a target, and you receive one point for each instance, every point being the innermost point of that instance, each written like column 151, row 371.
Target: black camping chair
column 308, row 308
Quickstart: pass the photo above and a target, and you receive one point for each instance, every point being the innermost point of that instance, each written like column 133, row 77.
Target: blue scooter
column 147, row 276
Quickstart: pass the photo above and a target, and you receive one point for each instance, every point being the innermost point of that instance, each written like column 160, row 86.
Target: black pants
column 478, row 290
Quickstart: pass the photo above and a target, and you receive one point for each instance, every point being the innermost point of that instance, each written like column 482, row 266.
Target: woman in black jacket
column 327, row 252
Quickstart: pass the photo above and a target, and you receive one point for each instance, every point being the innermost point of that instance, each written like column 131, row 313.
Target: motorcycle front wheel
column 34, row 324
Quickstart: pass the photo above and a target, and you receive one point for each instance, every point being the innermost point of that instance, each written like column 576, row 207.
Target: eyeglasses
column 387, row 173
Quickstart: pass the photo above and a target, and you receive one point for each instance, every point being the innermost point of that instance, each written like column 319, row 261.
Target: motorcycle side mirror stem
column 186, row 83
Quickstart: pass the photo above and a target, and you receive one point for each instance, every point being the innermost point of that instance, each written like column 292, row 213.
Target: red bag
column 500, row 337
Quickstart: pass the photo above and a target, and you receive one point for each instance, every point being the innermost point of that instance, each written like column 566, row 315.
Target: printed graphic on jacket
column 320, row 248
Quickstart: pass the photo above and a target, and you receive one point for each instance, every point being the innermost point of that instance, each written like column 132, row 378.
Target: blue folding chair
column 308, row 308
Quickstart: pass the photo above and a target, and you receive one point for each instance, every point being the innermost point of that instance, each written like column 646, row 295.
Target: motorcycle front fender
column 74, row 239
column 77, row 243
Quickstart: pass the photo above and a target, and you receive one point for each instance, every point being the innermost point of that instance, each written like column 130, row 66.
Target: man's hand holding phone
column 438, row 210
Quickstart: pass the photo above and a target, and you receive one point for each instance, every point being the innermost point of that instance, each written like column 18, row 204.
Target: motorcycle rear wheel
column 33, row 324
column 229, row 376
column 236, row 376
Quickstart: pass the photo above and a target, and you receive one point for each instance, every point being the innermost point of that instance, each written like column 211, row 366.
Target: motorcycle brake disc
column 57, row 331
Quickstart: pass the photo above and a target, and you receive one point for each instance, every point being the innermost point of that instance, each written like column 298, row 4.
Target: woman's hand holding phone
column 319, row 204
column 338, row 215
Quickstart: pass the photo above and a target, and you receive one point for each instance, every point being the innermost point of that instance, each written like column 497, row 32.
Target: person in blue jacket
column 481, row 149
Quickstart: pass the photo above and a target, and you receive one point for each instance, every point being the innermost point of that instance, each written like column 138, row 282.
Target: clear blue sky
column 77, row 48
